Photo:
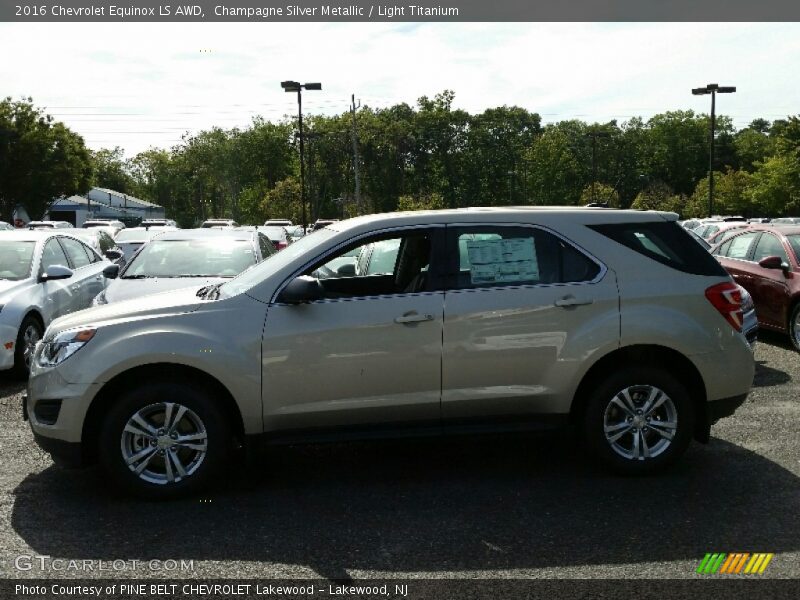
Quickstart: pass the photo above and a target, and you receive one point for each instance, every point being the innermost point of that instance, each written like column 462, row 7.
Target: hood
column 169, row 303
column 9, row 287
column 121, row 289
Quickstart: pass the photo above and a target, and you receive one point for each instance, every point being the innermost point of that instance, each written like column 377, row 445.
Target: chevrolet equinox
column 494, row 319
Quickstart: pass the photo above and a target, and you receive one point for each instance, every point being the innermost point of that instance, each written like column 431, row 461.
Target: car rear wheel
column 639, row 420
column 162, row 440
column 794, row 326
column 30, row 332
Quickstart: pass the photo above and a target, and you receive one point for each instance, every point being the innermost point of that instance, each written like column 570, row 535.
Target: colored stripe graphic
column 734, row 563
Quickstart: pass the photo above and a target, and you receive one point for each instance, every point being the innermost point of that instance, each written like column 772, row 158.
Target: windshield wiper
column 135, row 277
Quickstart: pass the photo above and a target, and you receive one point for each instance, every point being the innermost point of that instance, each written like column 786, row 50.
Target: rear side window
column 666, row 243
column 740, row 246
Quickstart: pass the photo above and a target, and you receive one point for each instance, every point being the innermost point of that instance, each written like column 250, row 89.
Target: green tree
column 431, row 201
column 775, row 188
column 731, row 194
column 602, row 193
column 111, row 170
column 283, row 201
column 659, row 196
column 40, row 159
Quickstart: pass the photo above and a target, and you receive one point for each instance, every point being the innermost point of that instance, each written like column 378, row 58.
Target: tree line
column 430, row 155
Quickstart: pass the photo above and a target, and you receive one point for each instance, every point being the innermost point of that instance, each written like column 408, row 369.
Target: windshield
column 191, row 258
column 15, row 259
column 304, row 246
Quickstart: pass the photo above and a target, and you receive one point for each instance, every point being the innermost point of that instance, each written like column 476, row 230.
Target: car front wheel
column 639, row 420
column 162, row 440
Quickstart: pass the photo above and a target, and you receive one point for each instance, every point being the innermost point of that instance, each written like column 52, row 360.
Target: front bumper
column 62, row 438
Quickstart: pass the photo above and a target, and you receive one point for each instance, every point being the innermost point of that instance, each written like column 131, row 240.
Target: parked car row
column 454, row 321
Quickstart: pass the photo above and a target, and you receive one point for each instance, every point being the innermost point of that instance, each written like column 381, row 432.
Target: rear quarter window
column 664, row 242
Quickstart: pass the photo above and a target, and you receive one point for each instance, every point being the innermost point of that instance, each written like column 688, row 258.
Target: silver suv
column 494, row 319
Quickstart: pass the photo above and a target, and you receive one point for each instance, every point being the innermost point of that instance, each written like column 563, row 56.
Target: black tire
column 22, row 352
column 152, row 399
column 794, row 327
column 603, row 410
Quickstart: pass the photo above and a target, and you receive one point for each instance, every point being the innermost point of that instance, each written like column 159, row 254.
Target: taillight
column 281, row 245
column 727, row 299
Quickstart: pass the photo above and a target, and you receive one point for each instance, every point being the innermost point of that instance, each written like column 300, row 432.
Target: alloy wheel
column 164, row 443
column 640, row 422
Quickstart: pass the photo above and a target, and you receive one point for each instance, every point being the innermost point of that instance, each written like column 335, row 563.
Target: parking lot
column 489, row 507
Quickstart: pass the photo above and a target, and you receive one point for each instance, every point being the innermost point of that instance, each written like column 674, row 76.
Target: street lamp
column 713, row 89
column 294, row 86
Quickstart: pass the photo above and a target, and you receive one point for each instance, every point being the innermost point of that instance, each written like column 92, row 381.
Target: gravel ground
column 452, row 508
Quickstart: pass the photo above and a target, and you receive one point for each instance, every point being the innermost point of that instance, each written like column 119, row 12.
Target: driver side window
column 388, row 264
column 52, row 255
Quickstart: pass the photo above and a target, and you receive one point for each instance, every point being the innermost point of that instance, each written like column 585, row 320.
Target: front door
column 369, row 352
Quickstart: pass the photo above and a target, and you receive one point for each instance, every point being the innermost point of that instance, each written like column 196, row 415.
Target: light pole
column 294, row 86
column 713, row 89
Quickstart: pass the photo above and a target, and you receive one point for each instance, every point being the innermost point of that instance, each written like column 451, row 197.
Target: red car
column 763, row 259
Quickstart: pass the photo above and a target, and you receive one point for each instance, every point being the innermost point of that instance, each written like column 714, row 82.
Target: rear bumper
column 719, row 409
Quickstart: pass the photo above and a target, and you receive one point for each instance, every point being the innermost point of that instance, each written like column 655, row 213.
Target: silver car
column 43, row 275
column 185, row 257
column 497, row 319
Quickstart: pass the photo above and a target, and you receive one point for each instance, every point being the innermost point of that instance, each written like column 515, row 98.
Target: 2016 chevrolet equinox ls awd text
column 471, row 320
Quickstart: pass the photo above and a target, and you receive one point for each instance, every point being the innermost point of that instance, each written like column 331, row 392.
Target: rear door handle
column 413, row 317
column 568, row 301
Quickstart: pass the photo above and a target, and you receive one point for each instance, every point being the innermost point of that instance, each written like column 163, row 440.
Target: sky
column 137, row 85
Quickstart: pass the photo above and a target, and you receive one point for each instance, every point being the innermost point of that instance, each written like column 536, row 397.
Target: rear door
column 522, row 308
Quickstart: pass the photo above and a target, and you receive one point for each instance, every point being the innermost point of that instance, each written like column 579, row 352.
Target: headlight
column 64, row 345
column 100, row 299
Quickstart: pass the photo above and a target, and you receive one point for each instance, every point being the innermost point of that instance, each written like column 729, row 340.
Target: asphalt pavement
column 523, row 506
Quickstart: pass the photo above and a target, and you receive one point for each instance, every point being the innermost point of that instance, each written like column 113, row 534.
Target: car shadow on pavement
column 431, row 505
column 767, row 376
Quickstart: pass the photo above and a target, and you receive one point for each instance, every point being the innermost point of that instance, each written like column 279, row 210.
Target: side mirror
column 773, row 262
column 113, row 254
column 55, row 272
column 301, row 290
column 347, row 270
column 111, row 271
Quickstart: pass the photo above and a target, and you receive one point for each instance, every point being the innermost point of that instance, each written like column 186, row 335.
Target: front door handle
column 568, row 301
column 76, row 288
column 413, row 317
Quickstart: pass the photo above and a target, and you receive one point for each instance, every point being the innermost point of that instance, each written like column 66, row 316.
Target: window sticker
column 502, row 261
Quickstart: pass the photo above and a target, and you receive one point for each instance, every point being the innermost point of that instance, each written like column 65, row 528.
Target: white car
column 43, row 275
column 112, row 223
column 49, row 225
column 159, row 223
column 219, row 224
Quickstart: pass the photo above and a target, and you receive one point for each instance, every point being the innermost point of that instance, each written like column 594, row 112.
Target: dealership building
column 102, row 203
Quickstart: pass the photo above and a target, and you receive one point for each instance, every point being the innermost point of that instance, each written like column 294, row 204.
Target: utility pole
column 353, row 107
column 713, row 89
column 595, row 134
